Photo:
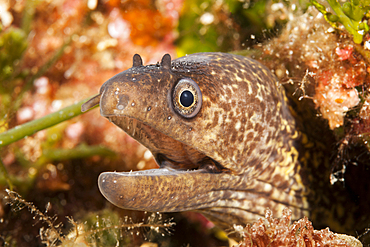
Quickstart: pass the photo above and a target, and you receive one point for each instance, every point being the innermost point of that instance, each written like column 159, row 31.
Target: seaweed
column 350, row 14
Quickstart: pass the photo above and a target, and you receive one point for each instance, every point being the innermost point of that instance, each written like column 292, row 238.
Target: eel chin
column 162, row 189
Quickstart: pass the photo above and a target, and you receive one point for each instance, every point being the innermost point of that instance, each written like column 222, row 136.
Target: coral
column 333, row 99
column 275, row 232
column 327, row 78
column 309, row 48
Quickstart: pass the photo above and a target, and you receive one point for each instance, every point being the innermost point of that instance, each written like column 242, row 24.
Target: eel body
column 221, row 132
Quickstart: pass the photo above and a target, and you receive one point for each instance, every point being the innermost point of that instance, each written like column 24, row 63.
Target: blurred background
column 54, row 53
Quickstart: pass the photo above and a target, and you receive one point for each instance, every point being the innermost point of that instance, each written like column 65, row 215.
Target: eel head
column 220, row 130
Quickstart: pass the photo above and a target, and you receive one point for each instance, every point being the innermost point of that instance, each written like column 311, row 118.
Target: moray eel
column 221, row 131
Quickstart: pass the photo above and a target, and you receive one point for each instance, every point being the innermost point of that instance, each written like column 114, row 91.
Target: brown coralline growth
column 273, row 232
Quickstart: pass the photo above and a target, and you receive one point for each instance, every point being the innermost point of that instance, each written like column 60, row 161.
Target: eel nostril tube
column 94, row 101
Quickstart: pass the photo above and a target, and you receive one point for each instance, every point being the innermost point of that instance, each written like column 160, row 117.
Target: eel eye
column 187, row 98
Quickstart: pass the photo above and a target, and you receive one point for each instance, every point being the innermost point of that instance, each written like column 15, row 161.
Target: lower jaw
column 224, row 198
column 162, row 190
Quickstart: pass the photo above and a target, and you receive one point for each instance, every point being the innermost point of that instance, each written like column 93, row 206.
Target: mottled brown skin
column 236, row 157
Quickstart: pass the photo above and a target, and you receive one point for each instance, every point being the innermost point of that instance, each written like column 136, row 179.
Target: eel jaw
column 186, row 179
column 224, row 198
column 169, row 190
column 162, row 189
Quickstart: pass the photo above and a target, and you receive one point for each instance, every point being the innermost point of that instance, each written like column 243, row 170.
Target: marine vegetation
column 55, row 55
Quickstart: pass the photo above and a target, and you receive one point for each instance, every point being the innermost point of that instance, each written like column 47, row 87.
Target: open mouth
column 180, row 182
column 168, row 152
column 207, row 165
column 186, row 178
